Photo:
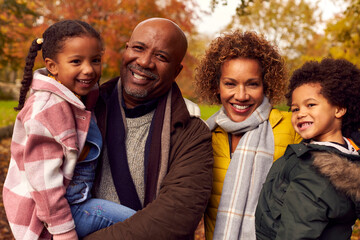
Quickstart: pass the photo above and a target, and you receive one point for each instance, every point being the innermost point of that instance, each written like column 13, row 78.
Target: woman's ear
column 340, row 112
column 51, row 66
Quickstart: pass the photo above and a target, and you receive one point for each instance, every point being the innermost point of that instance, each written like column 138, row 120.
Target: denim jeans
column 95, row 214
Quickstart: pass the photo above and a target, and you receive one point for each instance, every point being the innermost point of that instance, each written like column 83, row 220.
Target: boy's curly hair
column 240, row 45
column 340, row 85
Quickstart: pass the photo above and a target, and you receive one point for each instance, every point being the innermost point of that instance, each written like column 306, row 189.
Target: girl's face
column 78, row 65
column 313, row 117
column 241, row 88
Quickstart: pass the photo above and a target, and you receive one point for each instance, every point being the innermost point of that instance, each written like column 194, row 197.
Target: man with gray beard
column 157, row 157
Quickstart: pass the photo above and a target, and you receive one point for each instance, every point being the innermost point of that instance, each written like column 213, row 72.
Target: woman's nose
column 241, row 94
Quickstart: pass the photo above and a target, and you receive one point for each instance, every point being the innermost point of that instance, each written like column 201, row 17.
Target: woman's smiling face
column 241, row 88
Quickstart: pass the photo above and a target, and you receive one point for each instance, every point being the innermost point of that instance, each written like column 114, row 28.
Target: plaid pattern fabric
column 48, row 134
column 247, row 172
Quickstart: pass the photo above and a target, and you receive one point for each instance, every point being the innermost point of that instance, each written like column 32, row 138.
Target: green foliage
column 208, row 110
column 8, row 114
column 282, row 107
column 344, row 34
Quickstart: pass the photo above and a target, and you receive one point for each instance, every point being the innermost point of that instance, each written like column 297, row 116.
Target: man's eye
column 137, row 48
column 161, row 57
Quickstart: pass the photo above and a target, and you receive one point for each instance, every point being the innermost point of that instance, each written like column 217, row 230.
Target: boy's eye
column 311, row 104
column 294, row 109
column 76, row 61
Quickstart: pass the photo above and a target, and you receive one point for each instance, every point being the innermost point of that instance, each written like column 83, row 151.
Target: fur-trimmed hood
column 342, row 173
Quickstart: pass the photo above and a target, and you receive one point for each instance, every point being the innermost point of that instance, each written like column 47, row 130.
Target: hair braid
column 28, row 73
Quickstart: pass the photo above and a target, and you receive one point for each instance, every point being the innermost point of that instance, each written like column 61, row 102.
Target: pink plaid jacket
column 49, row 133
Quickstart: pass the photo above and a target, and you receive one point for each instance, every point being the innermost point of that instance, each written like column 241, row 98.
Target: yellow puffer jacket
column 284, row 134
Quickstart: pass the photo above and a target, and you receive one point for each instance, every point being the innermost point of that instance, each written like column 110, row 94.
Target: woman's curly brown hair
column 240, row 45
column 340, row 85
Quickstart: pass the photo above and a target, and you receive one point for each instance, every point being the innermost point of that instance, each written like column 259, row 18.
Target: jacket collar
column 342, row 169
column 275, row 117
column 41, row 82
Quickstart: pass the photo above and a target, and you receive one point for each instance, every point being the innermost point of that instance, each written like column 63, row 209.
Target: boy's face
column 313, row 117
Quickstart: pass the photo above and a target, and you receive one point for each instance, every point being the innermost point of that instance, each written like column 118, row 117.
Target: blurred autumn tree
column 115, row 20
column 343, row 33
column 14, row 17
column 292, row 25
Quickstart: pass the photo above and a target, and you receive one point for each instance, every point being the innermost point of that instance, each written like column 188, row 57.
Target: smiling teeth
column 139, row 77
column 305, row 124
column 240, row 107
column 83, row 81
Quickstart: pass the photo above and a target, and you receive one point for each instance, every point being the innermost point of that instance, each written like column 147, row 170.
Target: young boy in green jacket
column 310, row 192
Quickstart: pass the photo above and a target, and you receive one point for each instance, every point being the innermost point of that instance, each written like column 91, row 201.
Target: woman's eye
column 229, row 84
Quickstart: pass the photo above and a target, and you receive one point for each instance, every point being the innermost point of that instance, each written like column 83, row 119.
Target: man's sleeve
column 183, row 196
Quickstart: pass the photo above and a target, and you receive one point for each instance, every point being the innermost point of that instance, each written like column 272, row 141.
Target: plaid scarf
column 246, row 174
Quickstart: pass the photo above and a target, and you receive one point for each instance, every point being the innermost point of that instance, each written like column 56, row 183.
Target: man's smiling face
column 151, row 61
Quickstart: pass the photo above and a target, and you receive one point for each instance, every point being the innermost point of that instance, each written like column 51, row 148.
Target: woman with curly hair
column 246, row 74
column 313, row 191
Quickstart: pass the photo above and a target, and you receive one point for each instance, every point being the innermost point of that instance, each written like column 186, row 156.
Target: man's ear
column 340, row 112
column 51, row 66
column 180, row 67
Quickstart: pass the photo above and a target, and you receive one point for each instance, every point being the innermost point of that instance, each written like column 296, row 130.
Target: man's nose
column 145, row 60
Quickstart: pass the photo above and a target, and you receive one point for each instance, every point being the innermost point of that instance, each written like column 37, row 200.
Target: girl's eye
column 97, row 60
column 311, row 104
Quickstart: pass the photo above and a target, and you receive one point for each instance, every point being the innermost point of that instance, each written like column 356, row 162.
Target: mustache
column 144, row 71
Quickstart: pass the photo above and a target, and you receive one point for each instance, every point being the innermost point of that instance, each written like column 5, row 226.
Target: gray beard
column 136, row 93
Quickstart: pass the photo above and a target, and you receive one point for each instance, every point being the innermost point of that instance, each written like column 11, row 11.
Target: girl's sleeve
column 44, row 171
